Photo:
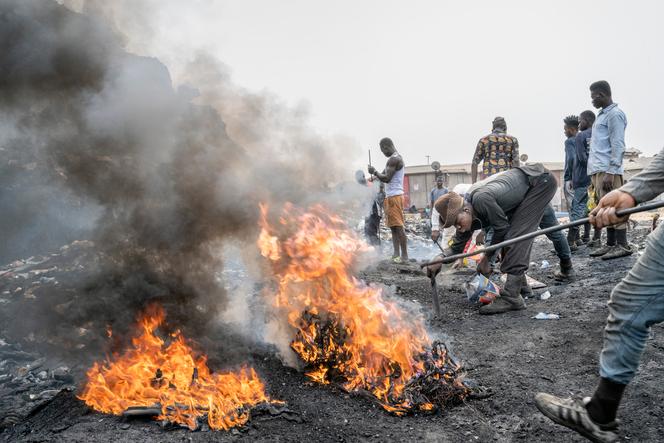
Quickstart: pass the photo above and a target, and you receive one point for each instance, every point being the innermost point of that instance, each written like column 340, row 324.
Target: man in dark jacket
column 580, row 179
column 512, row 204
column 570, row 128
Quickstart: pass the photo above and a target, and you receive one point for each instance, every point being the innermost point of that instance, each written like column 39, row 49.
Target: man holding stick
column 392, row 176
column 512, row 204
column 636, row 304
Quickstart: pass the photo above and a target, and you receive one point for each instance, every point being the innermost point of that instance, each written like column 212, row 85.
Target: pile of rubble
column 26, row 382
column 27, row 379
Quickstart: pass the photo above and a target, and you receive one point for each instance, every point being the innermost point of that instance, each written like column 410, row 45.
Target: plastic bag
column 481, row 289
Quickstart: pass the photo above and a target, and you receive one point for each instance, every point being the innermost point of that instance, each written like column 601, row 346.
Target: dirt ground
column 512, row 355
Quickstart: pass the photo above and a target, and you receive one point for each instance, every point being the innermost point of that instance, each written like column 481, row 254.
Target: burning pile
column 172, row 380
column 346, row 332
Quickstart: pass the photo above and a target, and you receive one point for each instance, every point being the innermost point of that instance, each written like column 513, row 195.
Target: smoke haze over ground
column 98, row 140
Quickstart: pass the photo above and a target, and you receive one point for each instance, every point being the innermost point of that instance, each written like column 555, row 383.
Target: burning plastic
column 346, row 332
column 170, row 381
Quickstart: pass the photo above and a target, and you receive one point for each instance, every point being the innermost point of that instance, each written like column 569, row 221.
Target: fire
column 345, row 331
column 170, row 376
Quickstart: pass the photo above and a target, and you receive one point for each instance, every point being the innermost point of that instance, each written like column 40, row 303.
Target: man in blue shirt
column 571, row 127
column 605, row 162
column 439, row 190
column 580, row 179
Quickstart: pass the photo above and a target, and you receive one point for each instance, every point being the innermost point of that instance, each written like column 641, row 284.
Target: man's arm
column 477, row 158
column 569, row 159
column 616, row 124
column 516, row 162
column 393, row 165
column 435, row 220
column 649, row 183
column 485, row 205
column 580, row 149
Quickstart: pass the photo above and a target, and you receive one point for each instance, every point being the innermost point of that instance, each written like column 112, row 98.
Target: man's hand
column 433, row 270
column 484, row 267
column 605, row 212
column 435, row 235
column 607, row 182
column 371, row 170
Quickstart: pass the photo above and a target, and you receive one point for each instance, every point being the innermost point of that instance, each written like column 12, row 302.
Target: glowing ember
column 346, row 332
column 172, row 378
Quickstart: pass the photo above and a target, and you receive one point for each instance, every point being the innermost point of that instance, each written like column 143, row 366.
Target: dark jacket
column 580, row 177
column 494, row 201
column 570, row 153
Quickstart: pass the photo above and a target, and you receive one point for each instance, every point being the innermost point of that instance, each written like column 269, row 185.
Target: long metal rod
column 539, row 232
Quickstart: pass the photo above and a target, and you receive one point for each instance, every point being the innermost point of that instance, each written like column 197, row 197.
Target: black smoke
column 98, row 142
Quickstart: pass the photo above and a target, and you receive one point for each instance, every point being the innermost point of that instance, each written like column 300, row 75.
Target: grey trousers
column 526, row 218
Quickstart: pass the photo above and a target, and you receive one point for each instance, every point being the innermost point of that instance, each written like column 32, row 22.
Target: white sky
column 432, row 74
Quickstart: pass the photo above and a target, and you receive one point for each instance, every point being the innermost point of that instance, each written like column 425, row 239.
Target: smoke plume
column 161, row 175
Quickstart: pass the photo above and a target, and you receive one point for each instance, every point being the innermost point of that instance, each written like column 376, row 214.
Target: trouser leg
column 636, row 304
column 525, row 219
column 558, row 239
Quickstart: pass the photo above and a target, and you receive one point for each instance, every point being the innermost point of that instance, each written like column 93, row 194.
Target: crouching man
column 512, row 204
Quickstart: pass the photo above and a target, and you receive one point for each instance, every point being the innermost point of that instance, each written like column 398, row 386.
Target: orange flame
column 172, row 378
column 345, row 331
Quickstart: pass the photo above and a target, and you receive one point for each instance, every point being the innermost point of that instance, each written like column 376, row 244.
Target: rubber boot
column 586, row 233
column 510, row 298
column 526, row 290
column 566, row 272
column 610, row 244
column 572, row 234
column 596, row 242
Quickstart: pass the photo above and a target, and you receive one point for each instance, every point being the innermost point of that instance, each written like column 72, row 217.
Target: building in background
column 421, row 179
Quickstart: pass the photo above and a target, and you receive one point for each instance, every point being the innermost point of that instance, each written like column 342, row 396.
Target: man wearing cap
column 512, row 204
column 497, row 151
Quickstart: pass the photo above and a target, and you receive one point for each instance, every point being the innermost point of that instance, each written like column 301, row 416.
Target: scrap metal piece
column 142, row 411
column 434, row 296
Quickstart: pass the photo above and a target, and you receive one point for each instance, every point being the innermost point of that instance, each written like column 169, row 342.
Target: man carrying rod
column 392, row 176
column 512, row 204
column 636, row 304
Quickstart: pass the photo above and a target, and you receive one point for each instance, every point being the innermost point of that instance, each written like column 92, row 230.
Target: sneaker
column 618, row 251
column 573, row 414
column 601, row 251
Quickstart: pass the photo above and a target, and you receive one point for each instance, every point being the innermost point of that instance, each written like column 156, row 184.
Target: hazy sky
column 433, row 74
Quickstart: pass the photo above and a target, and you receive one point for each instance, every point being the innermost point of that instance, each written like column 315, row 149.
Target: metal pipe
column 539, row 232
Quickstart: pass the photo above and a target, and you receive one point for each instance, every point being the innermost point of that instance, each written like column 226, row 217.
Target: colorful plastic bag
column 481, row 289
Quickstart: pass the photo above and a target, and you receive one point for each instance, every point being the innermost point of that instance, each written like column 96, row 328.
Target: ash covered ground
column 512, row 356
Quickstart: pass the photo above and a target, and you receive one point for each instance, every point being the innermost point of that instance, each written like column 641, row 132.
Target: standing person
column 581, row 180
column 605, row 163
column 372, row 221
column 392, row 176
column 570, row 128
column 636, row 304
column 497, row 151
column 439, row 190
column 512, row 204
